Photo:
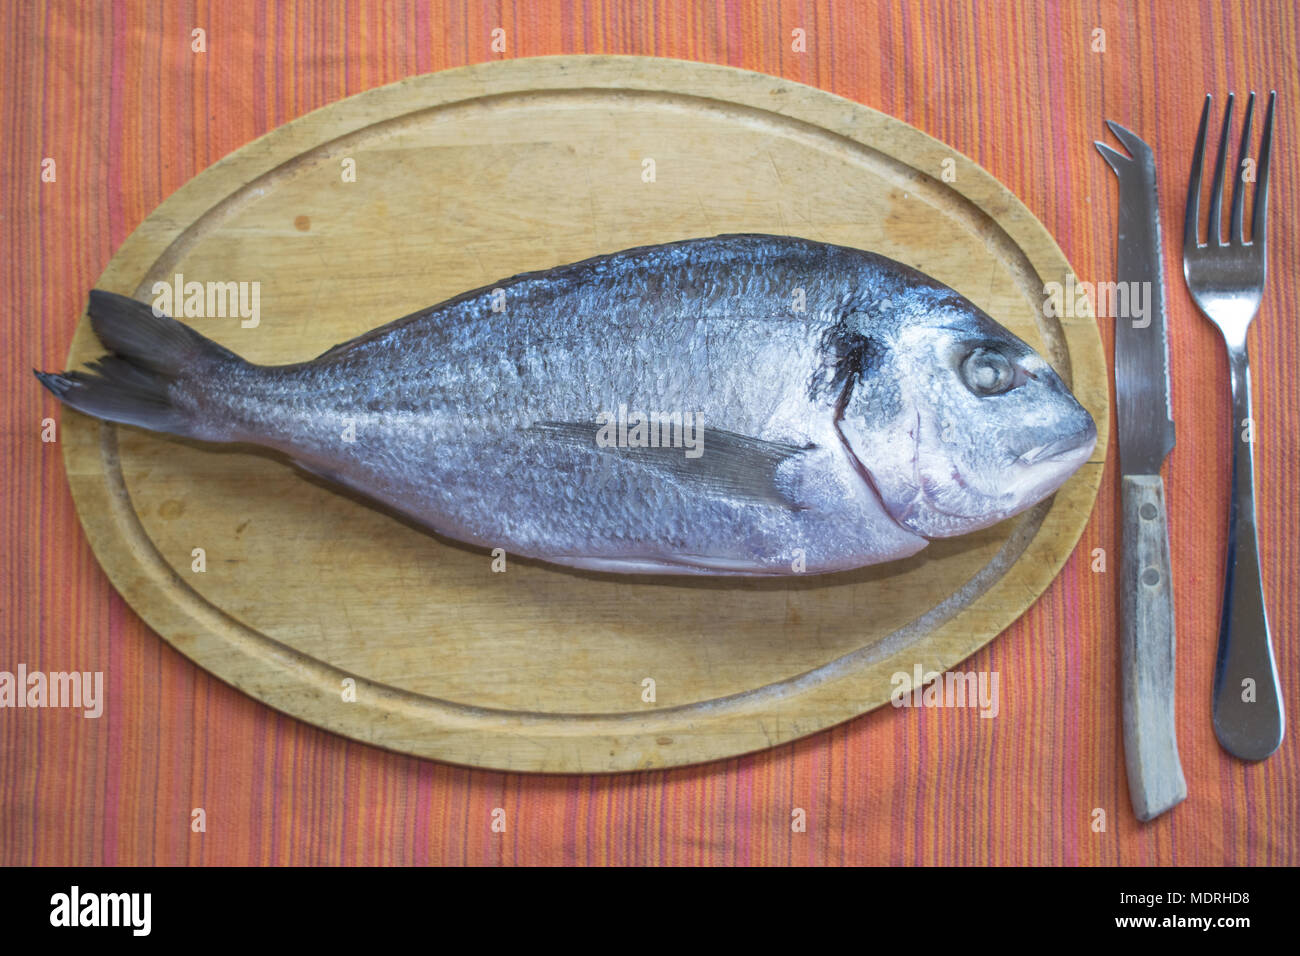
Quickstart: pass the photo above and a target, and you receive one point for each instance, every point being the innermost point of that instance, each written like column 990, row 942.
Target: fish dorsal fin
column 727, row 464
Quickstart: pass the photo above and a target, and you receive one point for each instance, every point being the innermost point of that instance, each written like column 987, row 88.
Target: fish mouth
column 1068, row 448
column 1043, row 469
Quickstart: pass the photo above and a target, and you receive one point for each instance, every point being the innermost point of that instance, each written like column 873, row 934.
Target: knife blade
column 1146, row 436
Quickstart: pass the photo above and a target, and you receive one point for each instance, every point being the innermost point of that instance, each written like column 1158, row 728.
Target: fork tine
column 1192, row 218
column 1212, row 233
column 1259, row 216
column 1239, row 178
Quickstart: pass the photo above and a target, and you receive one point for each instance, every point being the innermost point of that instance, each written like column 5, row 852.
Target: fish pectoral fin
column 725, row 463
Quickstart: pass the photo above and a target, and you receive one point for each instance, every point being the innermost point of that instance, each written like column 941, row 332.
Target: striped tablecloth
column 114, row 95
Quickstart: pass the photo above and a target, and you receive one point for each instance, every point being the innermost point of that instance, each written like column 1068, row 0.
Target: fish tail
column 136, row 383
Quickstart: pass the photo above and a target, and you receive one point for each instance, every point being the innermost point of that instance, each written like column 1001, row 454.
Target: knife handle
column 1155, row 775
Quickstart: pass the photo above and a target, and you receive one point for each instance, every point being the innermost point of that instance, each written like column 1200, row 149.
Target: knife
column 1146, row 436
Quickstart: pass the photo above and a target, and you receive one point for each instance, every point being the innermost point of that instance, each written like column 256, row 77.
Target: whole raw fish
column 744, row 404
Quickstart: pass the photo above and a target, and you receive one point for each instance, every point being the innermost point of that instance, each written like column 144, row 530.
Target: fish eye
column 987, row 372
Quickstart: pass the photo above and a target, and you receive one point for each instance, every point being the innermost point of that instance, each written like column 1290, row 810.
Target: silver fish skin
column 836, row 409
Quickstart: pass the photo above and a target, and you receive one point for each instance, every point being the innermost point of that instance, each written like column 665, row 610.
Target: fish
column 745, row 404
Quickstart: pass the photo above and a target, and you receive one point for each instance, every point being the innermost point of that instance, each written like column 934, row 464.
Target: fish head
column 958, row 423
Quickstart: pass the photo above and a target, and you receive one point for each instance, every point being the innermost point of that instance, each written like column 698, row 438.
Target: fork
column 1227, row 282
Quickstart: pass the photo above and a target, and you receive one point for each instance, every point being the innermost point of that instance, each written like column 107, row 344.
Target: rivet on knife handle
column 1146, row 436
column 1147, row 644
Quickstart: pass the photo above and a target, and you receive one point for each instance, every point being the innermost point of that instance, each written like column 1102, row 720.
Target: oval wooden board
column 475, row 174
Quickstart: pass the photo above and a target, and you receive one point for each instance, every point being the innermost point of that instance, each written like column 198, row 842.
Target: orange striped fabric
column 112, row 93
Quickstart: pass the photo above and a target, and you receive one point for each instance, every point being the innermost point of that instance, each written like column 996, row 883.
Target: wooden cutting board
column 331, row 610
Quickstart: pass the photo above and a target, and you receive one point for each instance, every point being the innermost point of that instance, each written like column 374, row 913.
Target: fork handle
column 1155, row 775
column 1248, row 717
